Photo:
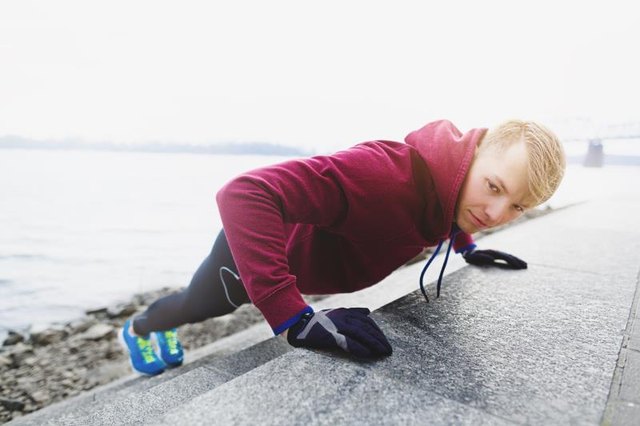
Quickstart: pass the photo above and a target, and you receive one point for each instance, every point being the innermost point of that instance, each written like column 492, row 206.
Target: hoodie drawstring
column 444, row 265
column 424, row 293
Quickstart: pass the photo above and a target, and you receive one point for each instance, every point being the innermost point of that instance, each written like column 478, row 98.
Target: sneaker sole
column 175, row 365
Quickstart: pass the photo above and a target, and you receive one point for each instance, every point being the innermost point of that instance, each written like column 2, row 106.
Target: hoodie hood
column 447, row 153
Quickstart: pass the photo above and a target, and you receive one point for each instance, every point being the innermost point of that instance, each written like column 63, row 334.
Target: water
column 84, row 229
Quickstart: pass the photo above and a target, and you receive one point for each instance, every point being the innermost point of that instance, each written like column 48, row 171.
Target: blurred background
column 120, row 120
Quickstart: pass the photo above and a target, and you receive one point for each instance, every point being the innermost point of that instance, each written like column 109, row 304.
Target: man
column 340, row 223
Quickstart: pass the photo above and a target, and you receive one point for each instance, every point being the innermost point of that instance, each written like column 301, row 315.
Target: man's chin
column 466, row 227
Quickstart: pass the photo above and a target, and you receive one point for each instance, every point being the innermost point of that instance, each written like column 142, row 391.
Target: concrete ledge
column 499, row 347
column 135, row 398
column 540, row 346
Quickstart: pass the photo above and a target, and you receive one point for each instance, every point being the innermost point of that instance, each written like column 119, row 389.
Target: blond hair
column 546, row 158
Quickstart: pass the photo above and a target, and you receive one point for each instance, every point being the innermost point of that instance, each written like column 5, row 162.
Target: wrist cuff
column 294, row 319
column 467, row 248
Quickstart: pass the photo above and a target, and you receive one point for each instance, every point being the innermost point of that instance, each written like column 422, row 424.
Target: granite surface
column 536, row 346
column 554, row 344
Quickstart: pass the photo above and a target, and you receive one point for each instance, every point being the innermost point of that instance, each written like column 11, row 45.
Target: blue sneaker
column 170, row 348
column 141, row 354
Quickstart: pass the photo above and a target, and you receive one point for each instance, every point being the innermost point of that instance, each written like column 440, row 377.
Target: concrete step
column 539, row 346
column 148, row 396
column 117, row 394
column 498, row 347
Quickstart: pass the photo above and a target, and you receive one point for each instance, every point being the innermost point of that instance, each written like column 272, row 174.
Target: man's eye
column 493, row 187
column 519, row 209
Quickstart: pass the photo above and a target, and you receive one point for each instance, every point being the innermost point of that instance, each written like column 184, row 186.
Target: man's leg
column 215, row 290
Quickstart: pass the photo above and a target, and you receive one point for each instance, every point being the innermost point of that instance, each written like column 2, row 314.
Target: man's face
column 495, row 189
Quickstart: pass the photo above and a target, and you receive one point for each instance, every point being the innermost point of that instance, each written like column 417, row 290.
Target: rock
column 13, row 338
column 40, row 396
column 68, row 374
column 81, row 325
column 98, row 313
column 9, row 382
column 27, row 383
column 145, row 299
column 139, row 299
column 29, row 407
column 12, row 404
column 75, row 344
column 47, row 337
column 19, row 352
column 30, row 361
column 121, row 311
column 5, row 362
column 62, row 368
column 96, row 332
column 90, row 384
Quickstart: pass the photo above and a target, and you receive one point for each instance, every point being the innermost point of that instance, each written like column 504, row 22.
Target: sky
column 319, row 75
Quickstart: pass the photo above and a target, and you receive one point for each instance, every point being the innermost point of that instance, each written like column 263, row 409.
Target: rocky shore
column 59, row 362
column 62, row 361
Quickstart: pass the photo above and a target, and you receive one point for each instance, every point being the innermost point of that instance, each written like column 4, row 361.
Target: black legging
column 215, row 290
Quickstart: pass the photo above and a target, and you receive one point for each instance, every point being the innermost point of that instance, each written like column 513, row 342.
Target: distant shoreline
column 227, row 148
column 251, row 149
column 609, row 160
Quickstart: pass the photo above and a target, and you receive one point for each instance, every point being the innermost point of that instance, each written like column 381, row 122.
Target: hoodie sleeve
column 254, row 208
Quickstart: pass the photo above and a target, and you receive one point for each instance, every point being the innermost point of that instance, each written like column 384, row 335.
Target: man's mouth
column 477, row 221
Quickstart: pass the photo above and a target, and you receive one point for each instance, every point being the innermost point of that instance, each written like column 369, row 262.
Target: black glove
column 494, row 258
column 350, row 329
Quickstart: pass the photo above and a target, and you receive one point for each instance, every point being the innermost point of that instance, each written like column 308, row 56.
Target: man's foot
column 170, row 347
column 141, row 354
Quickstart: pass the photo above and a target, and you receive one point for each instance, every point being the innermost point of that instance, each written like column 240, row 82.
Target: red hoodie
column 340, row 223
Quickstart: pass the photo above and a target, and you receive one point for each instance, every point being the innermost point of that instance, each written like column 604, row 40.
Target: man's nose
column 497, row 212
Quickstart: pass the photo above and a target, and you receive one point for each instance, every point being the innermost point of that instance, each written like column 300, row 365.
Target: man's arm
column 254, row 208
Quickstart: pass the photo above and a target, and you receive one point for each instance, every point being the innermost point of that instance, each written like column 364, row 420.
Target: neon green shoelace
column 172, row 341
column 146, row 349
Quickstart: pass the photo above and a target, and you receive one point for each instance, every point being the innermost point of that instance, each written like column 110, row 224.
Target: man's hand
column 494, row 258
column 350, row 329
